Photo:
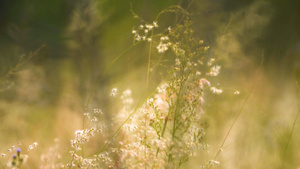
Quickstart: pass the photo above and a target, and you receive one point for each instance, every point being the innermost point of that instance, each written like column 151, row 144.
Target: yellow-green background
column 45, row 98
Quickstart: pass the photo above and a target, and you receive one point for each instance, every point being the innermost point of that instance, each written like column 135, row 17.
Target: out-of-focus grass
column 48, row 102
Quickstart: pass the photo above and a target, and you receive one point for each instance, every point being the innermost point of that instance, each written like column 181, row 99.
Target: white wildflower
column 162, row 47
column 214, row 71
column 213, row 162
column 149, row 26
column 236, row 92
column 210, row 62
column 215, row 90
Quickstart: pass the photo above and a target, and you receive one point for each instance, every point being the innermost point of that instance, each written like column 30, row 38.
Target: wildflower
column 178, row 51
column 177, row 61
column 35, row 144
column 210, row 62
column 162, row 47
column 215, row 90
column 164, row 38
column 150, row 101
column 98, row 111
column 206, row 48
column 95, row 119
column 30, row 147
column 203, row 82
column 213, row 162
column 18, row 151
column 155, row 24
column 14, row 156
column 138, row 38
column 214, row 71
column 149, row 26
column 114, row 92
column 236, row 92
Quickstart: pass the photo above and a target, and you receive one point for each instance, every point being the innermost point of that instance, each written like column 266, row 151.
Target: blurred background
column 52, row 54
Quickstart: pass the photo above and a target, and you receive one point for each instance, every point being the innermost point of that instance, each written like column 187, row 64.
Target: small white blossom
column 214, row 71
column 213, row 162
column 236, row 92
column 114, row 92
column 35, row 144
column 162, row 47
column 30, row 147
column 150, row 100
column 210, row 62
column 138, row 38
column 177, row 61
column 206, row 48
column 149, row 27
column 215, row 90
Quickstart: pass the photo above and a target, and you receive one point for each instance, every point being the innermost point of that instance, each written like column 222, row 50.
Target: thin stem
column 119, row 128
column 239, row 112
column 289, row 139
column 94, row 88
column 105, row 71
column 71, row 162
column 147, row 86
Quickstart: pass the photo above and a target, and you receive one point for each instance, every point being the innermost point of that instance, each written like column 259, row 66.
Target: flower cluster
column 141, row 33
column 15, row 158
column 164, row 44
column 81, row 137
column 167, row 129
column 214, row 71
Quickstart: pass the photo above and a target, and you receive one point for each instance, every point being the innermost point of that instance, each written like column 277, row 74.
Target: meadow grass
column 167, row 127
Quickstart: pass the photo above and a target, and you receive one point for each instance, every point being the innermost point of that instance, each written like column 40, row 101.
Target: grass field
column 172, row 91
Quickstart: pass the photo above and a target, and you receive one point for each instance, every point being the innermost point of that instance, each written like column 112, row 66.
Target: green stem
column 289, row 139
column 94, row 88
column 119, row 128
column 239, row 112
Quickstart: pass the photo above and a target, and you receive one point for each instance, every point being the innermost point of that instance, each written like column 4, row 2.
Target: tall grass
column 164, row 129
